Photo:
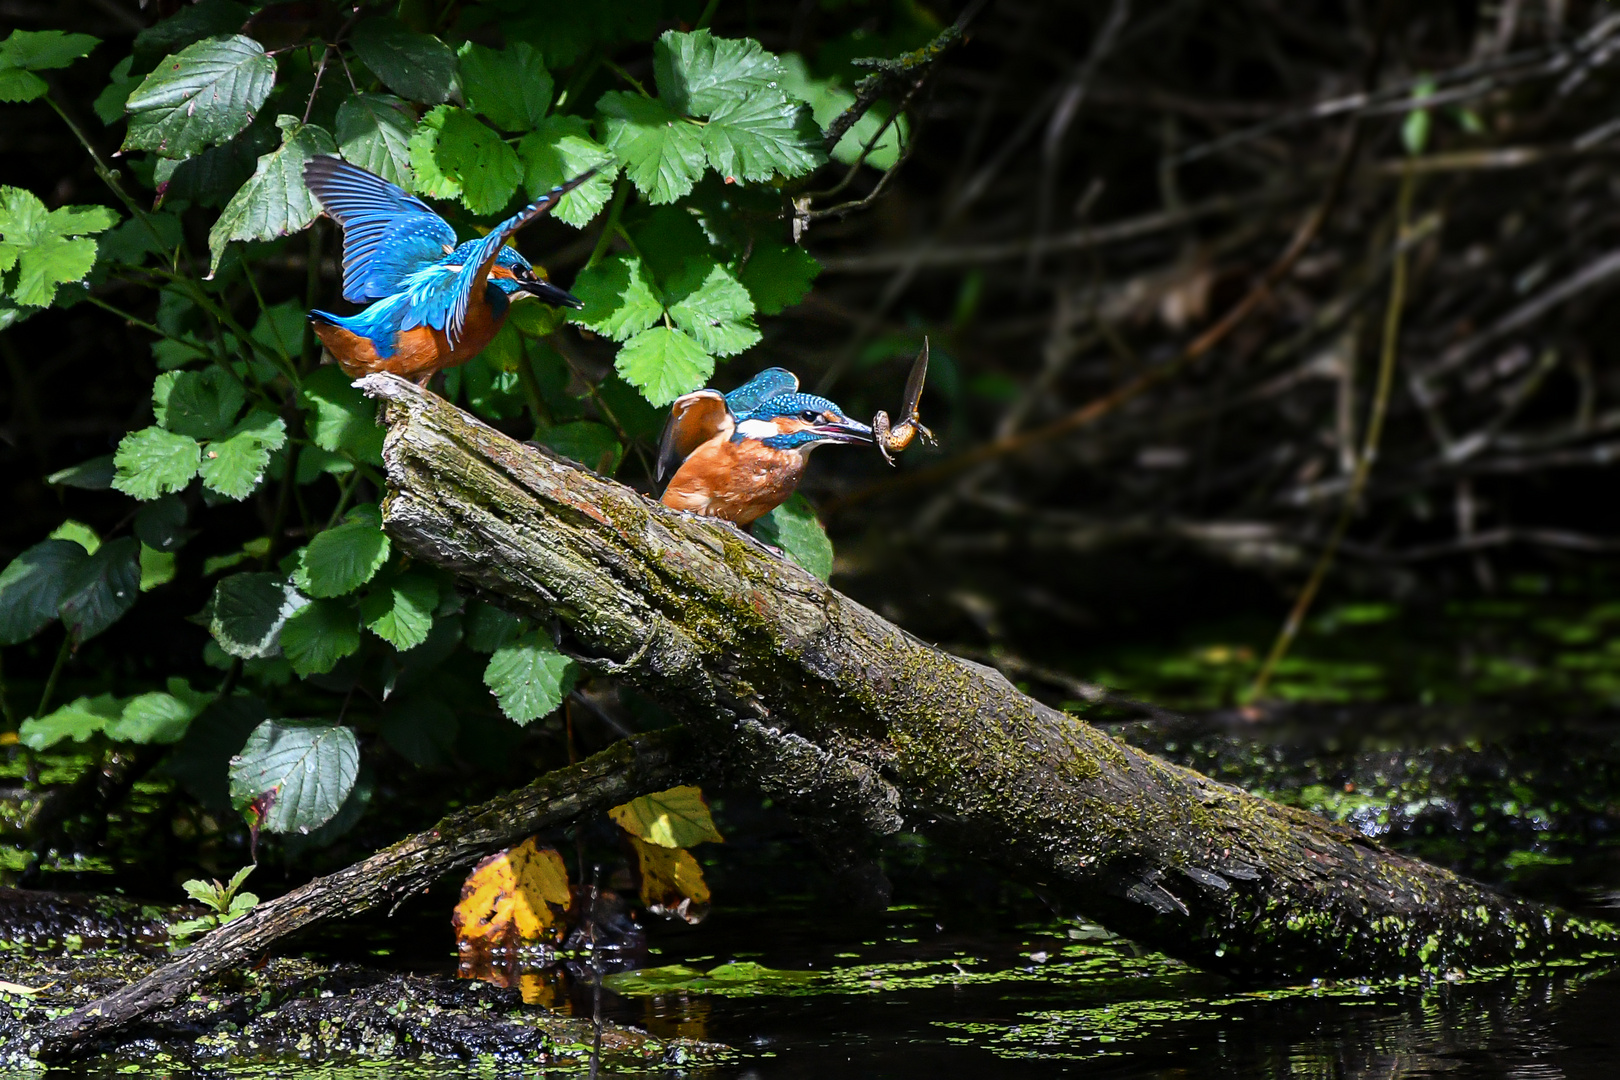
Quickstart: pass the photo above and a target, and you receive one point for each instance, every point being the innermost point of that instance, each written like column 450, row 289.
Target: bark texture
column 624, row 771
column 862, row 729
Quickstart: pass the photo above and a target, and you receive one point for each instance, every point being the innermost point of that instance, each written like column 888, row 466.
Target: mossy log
column 630, row 768
column 861, row 729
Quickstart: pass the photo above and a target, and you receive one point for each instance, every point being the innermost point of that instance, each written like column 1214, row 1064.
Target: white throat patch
column 757, row 429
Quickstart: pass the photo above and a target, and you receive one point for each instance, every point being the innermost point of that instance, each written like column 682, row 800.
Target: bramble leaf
column 510, row 87
column 618, row 297
column 489, row 627
column 48, row 248
column 718, row 313
column 778, row 276
column 274, row 201
column 153, row 462
column 305, row 767
column 663, row 364
column 161, row 524
column 400, row 610
column 248, row 611
column 343, row 558
column 661, row 150
column 41, row 50
column 793, row 527
column 593, row 445
column 529, row 677
column 417, row 67
column 234, row 466
column 32, row 586
column 95, row 474
column 374, row 132
column 160, row 717
column 320, row 634
column 454, row 154
column 77, row 720
column 677, row 818
column 101, row 589
column 560, row 150
column 199, row 96
column 757, row 137
column 344, row 420
column 202, row 404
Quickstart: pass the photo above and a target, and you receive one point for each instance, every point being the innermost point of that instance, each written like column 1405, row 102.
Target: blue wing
column 387, row 232
column 380, row 322
column 767, row 384
column 475, row 271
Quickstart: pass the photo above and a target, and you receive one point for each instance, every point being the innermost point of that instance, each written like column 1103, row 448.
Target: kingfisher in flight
column 740, row 455
column 433, row 303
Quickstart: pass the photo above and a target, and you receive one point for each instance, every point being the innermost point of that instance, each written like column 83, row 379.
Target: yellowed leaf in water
column 671, row 881
column 677, row 818
column 515, row 896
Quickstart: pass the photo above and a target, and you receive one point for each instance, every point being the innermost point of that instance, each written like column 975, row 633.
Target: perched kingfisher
column 741, row 454
column 433, row 304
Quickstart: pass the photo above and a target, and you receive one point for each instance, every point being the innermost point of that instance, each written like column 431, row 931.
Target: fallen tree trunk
column 861, row 729
column 625, row 770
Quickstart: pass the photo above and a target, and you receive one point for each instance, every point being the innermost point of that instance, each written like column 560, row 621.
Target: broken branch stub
column 862, row 729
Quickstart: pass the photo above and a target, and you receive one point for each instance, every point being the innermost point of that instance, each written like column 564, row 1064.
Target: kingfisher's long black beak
column 844, row 431
column 551, row 294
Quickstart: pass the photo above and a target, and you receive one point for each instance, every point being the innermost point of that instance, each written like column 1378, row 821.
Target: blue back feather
column 767, row 384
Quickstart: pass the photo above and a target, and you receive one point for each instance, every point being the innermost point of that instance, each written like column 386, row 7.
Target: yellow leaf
column 671, row 881
column 515, row 896
column 677, row 818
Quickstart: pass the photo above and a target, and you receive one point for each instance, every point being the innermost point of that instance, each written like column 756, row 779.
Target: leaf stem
column 56, row 670
column 610, row 227
column 5, row 698
column 626, row 76
column 704, row 19
column 1390, row 347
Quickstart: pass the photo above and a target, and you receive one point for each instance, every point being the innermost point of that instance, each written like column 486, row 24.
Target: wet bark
column 633, row 767
column 861, row 729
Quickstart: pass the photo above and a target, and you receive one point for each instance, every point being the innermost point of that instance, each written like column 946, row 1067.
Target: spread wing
column 767, row 384
column 475, row 271
column 387, row 232
column 914, row 382
column 694, row 419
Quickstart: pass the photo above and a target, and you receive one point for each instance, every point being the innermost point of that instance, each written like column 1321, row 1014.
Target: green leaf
column 109, row 104
column 40, row 50
column 344, row 557
column 153, row 462
column 320, row 634
column 157, row 567
column 778, row 276
column 662, row 152
column 202, row 404
column 161, row 524
column 233, row 467
column 374, row 132
column 593, row 445
column 32, row 586
column 306, row 769
column 755, row 138
column 828, row 99
column 718, row 313
column 344, row 420
column 93, row 475
column 79, row 533
column 313, row 462
column 248, row 611
column 200, row 96
column 618, row 297
column 663, row 364
column 677, row 818
column 529, row 677
column 418, row 67
column 160, row 717
column 454, row 155
column 274, row 201
column 400, row 611
column 17, row 85
column 793, row 528
column 193, row 22
column 101, row 589
column 281, row 327
column 79, row 721
column 560, row 150
column 489, row 627
column 510, row 87
column 47, row 248
column 698, row 73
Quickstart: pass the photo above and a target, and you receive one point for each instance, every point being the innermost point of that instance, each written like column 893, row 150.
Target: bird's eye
column 808, row 415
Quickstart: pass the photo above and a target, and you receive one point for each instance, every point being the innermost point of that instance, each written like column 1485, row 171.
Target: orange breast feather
column 739, row 481
column 419, row 353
